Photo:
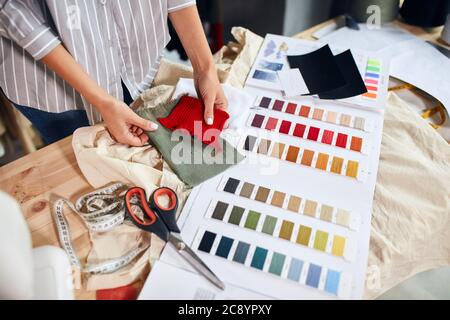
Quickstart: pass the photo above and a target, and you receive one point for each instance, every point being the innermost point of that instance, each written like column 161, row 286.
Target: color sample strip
column 372, row 78
column 207, row 242
column 323, row 240
column 276, row 264
column 319, row 114
column 259, row 258
column 313, row 277
column 308, row 158
column 223, row 250
column 282, row 200
column 311, row 133
column 219, row 211
column 240, row 255
column 236, row 215
column 295, row 270
column 232, row 185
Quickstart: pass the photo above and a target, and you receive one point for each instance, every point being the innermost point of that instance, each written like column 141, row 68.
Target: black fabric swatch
column 319, row 70
column 354, row 83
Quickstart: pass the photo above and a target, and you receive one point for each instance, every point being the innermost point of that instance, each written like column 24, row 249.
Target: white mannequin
column 27, row 273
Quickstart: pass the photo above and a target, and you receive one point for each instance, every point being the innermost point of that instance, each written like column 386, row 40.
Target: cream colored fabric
column 411, row 211
column 114, row 244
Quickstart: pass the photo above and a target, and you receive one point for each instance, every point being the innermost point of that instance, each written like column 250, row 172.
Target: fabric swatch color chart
column 372, row 78
column 285, row 229
column 304, row 131
column 274, row 264
column 292, row 203
column 309, row 111
column 292, row 220
column 272, row 59
column 295, row 155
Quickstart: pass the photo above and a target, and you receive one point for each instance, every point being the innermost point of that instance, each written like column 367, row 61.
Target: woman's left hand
column 210, row 91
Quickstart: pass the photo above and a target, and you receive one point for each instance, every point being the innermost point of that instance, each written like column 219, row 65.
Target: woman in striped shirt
column 67, row 63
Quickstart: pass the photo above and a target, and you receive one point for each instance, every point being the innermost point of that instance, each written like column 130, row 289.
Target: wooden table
column 32, row 179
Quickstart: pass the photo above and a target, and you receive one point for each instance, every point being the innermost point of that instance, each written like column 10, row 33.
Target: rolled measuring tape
column 101, row 211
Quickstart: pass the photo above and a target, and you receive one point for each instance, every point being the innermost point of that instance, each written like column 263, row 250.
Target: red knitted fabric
column 188, row 113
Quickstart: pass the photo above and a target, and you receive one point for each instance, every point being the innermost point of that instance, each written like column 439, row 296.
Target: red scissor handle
column 140, row 194
column 166, row 213
column 173, row 200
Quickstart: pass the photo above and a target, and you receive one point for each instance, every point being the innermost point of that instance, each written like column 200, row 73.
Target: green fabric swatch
column 193, row 161
column 236, row 215
column 252, row 220
column 269, row 225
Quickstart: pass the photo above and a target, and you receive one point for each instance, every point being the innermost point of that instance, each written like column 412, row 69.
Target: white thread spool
column 446, row 32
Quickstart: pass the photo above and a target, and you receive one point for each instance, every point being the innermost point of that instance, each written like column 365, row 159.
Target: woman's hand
column 124, row 125
column 210, row 91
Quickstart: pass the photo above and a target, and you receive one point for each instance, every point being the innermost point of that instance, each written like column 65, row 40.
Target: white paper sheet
column 423, row 66
column 166, row 281
column 280, row 263
column 367, row 39
column 411, row 59
column 309, row 183
column 292, row 83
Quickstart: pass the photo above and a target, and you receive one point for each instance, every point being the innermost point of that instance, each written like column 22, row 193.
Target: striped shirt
column 113, row 40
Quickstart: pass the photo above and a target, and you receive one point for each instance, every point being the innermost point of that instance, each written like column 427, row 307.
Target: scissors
column 161, row 220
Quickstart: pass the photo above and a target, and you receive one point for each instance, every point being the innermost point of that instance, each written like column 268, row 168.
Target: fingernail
column 153, row 126
column 209, row 121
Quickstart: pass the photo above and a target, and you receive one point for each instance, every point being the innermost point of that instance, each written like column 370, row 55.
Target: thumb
column 209, row 109
column 142, row 123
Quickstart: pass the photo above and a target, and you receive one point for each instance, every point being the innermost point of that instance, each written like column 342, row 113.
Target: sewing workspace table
column 54, row 170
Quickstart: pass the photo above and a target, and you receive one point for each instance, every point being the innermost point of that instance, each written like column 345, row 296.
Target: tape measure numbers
column 101, row 211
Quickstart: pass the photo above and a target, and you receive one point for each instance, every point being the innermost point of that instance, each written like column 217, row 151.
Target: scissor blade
column 187, row 253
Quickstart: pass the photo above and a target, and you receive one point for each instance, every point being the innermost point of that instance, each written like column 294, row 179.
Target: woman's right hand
column 123, row 124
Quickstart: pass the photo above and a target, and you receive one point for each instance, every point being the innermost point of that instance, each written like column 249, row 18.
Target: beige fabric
column 103, row 161
column 113, row 244
column 411, row 211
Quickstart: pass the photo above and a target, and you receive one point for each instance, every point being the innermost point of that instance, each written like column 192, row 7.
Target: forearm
column 65, row 66
column 190, row 31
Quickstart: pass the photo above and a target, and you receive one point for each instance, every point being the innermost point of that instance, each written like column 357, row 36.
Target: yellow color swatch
column 338, row 246
column 286, row 230
column 322, row 161
column 320, row 242
column 304, row 234
column 336, row 165
column 352, row 169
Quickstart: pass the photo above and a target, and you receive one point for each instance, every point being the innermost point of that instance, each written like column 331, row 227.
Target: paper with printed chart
column 292, row 221
column 271, row 70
